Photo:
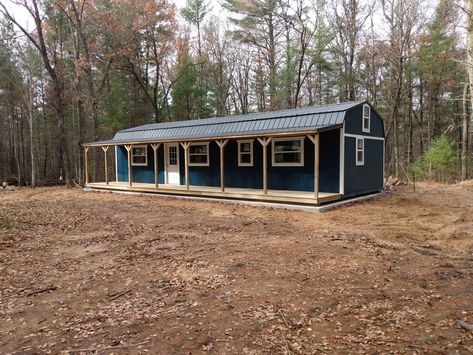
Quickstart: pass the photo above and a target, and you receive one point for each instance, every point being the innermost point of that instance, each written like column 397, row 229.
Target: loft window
column 139, row 156
column 245, row 153
column 366, row 118
column 199, row 154
column 360, row 151
column 288, row 151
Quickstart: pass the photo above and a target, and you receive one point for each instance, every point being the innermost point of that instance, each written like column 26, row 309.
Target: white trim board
column 239, row 142
column 194, row 154
column 341, row 178
column 116, row 163
column 363, row 136
column 286, row 139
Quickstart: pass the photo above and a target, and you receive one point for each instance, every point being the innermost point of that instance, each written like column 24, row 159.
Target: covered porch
column 222, row 169
column 280, row 196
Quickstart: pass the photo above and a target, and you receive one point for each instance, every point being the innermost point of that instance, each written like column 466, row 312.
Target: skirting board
column 325, row 207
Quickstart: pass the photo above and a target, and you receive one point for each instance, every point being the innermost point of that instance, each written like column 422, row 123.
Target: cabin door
column 172, row 163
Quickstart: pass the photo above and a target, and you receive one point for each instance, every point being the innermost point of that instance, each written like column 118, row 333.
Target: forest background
column 75, row 71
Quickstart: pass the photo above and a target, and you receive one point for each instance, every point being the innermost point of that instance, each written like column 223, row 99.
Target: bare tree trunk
column 469, row 68
column 32, row 134
column 274, row 102
column 464, row 151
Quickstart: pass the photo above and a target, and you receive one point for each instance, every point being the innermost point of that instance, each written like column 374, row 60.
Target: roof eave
column 213, row 138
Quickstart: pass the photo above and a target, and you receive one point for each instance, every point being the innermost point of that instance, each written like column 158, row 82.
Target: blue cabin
column 309, row 156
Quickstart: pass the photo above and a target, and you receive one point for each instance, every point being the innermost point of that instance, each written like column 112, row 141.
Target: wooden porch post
column 156, row 170
column 264, row 142
column 128, row 149
column 105, row 149
column 185, row 145
column 316, row 140
column 86, row 167
column 222, row 143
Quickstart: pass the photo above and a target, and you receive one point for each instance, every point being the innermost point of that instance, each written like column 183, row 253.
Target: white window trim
column 208, row 154
column 134, row 155
column 250, row 152
column 362, row 162
column 363, row 128
column 273, row 153
column 349, row 135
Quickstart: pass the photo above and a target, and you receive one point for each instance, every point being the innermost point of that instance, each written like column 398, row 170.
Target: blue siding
column 353, row 122
column 298, row 178
column 279, row 178
column 204, row 175
column 250, row 177
column 329, row 162
column 140, row 173
column 367, row 178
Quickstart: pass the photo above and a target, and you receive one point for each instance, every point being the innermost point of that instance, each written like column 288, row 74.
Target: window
column 366, row 118
column 172, row 155
column 199, row 154
column 288, row 151
column 360, row 151
column 139, row 156
column 245, row 153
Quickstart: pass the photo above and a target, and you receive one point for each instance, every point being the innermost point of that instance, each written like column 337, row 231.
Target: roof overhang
column 288, row 133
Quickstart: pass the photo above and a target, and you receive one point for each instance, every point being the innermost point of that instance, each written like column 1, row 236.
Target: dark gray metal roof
column 300, row 119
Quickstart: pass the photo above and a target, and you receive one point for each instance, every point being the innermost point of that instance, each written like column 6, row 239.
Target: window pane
column 198, row 159
column 139, row 160
column 366, row 111
column 287, row 157
column 360, row 156
column 245, row 147
column 245, row 158
column 139, row 151
column 172, row 155
column 359, row 143
column 287, row 146
column 198, row 149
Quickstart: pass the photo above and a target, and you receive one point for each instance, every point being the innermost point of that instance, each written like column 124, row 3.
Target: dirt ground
column 111, row 273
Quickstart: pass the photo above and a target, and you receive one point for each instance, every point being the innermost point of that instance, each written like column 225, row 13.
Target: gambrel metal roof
column 293, row 120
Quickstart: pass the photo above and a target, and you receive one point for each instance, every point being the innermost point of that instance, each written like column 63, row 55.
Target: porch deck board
column 298, row 197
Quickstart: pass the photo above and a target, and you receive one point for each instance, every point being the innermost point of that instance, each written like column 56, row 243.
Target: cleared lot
column 136, row 273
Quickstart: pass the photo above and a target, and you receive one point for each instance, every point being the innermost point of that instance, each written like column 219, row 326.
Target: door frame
column 166, row 158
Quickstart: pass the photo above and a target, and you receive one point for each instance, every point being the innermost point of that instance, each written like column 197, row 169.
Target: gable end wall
column 367, row 178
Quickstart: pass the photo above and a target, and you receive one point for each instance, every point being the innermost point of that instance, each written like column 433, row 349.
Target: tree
column 258, row 24
column 185, row 91
column 49, row 57
column 469, row 69
column 441, row 159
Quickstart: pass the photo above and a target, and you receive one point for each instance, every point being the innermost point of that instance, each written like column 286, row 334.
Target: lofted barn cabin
column 307, row 156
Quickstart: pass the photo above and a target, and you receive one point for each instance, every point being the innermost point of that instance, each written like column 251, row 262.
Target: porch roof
column 264, row 123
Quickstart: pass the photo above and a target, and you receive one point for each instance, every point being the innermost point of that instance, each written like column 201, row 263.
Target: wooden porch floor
column 282, row 196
